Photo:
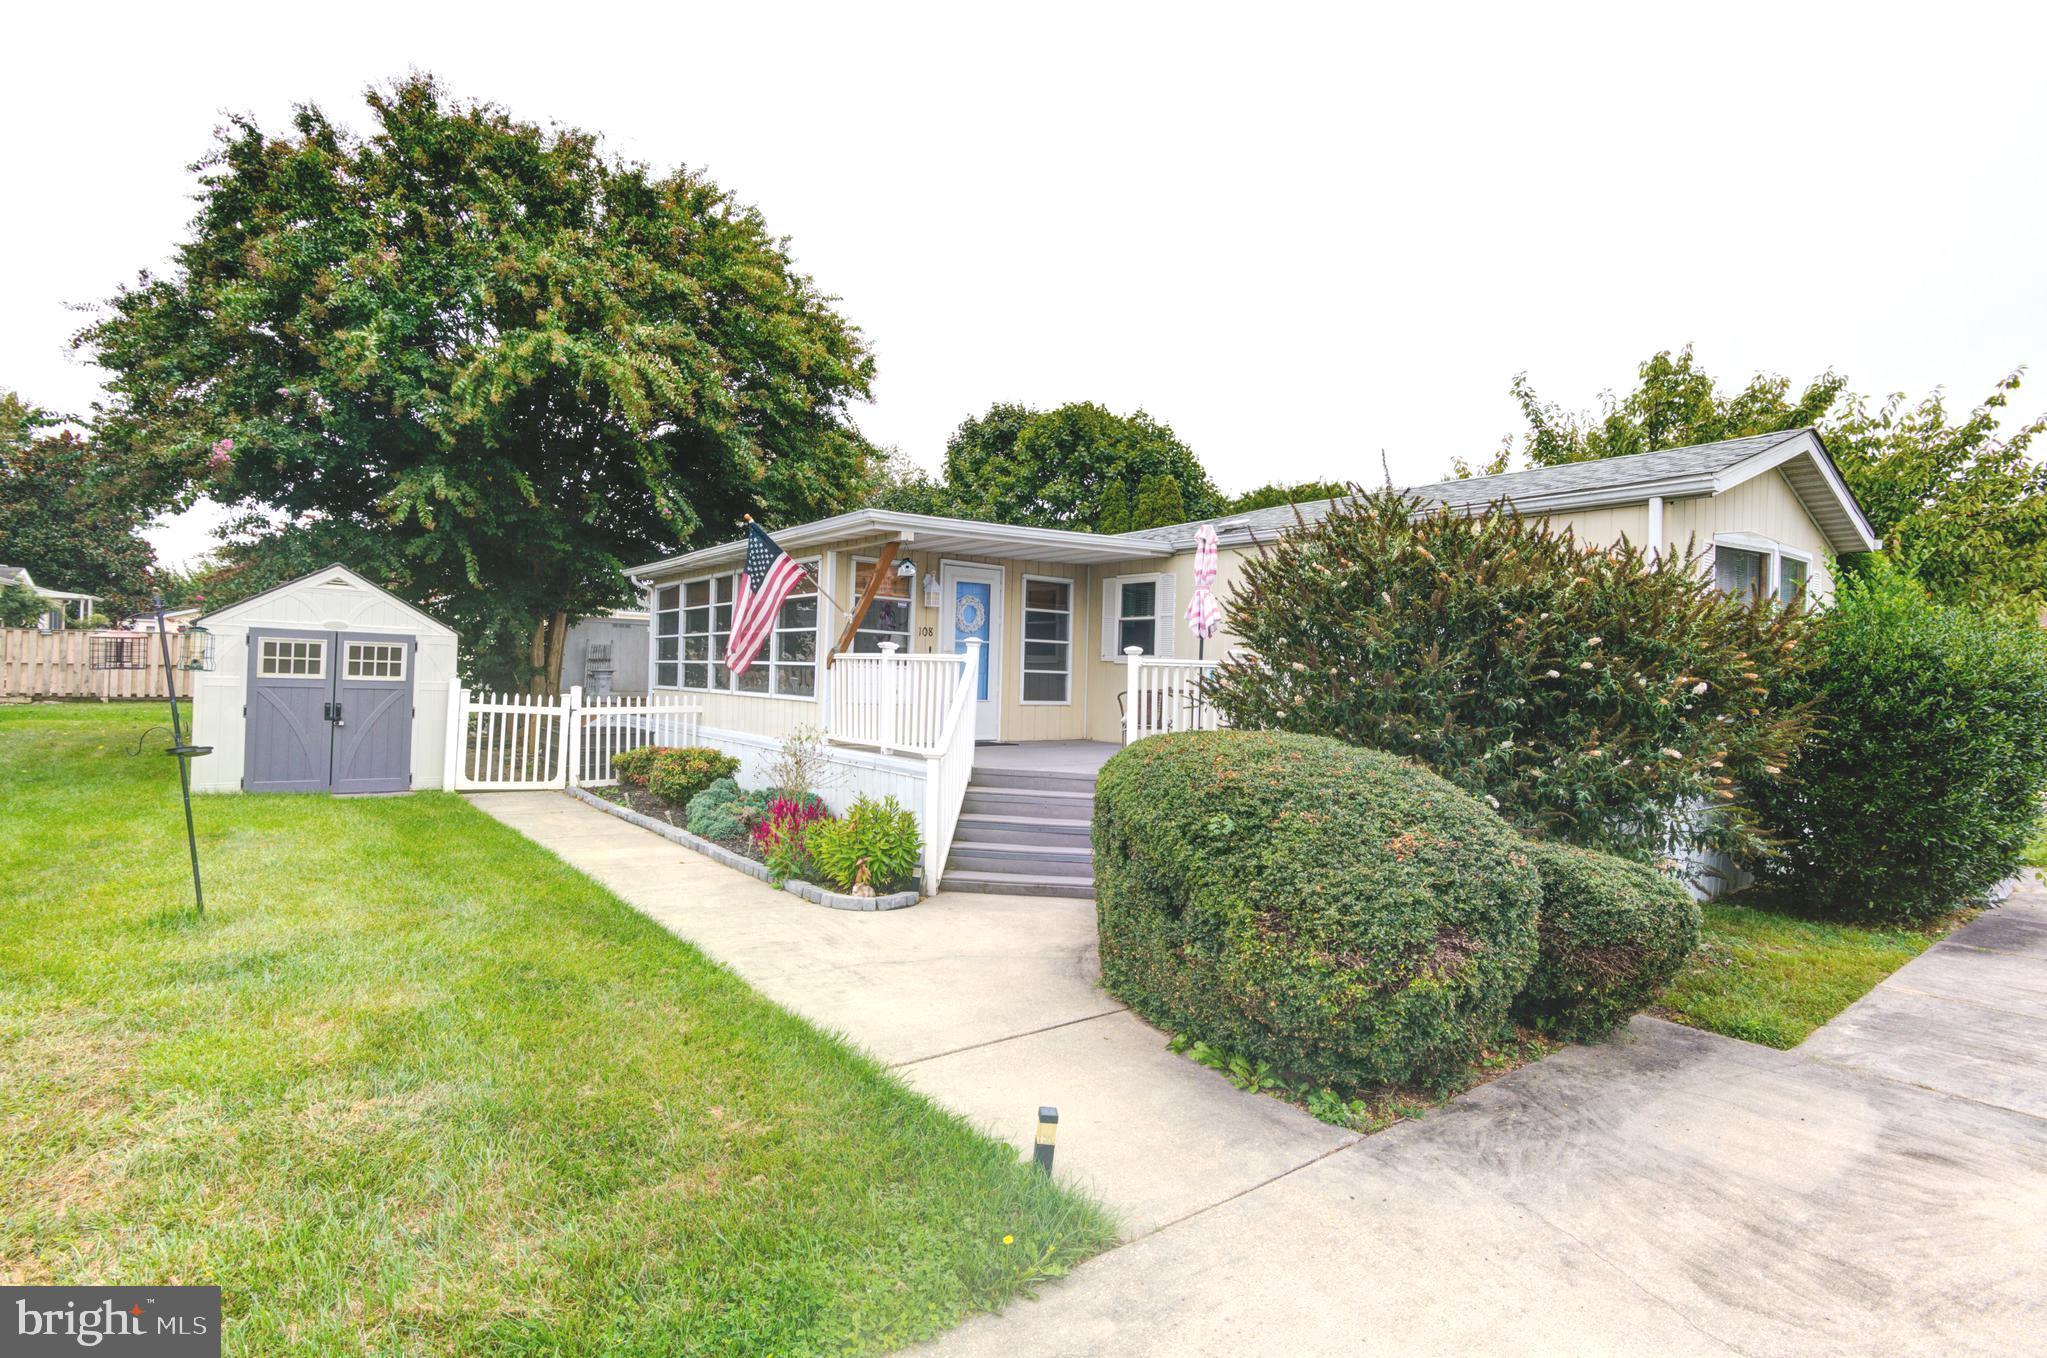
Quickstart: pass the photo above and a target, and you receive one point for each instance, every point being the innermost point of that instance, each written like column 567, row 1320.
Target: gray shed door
column 373, row 730
column 328, row 710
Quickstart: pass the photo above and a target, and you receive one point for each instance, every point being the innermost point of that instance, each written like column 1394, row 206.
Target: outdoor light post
column 182, row 752
column 1048, row 1132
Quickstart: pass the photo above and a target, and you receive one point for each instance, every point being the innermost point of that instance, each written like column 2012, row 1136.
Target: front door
column 328, row 711
column 973, row 612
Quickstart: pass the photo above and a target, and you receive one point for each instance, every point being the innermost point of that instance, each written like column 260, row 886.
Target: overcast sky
column 1299, row 236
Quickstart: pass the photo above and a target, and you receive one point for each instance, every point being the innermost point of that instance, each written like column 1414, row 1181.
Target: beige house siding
column 1762, row 507
column 767, row 715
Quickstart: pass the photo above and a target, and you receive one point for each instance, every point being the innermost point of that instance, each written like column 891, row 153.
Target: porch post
column 888, row 696
column 1656, row 528
column 1130, row 723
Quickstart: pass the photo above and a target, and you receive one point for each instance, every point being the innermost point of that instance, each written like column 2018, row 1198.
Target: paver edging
column 718, row 853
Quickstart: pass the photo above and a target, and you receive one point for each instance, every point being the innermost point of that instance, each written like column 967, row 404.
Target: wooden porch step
column 1056, row 804
column 1004, row 827
column 1017, row 884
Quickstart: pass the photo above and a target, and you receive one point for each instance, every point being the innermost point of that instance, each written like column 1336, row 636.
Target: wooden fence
column 59, row 665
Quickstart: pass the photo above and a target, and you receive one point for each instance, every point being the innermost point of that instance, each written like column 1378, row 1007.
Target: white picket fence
column 899, row 704
column 1167, row 695
column 512, row 741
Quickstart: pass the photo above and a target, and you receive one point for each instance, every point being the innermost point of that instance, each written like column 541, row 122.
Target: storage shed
column 325, row 684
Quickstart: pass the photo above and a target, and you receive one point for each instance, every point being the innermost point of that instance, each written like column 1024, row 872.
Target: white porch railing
column 948, row 771
column 508, row 741
column 899, row 704
column 1166, row 695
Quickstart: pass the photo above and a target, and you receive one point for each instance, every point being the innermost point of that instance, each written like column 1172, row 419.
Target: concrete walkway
column 1882, row 1189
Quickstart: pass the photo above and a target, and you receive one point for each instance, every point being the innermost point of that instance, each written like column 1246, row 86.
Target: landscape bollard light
column 1048, row 1132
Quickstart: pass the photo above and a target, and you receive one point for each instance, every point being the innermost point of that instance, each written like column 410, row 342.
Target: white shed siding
column 331, row 600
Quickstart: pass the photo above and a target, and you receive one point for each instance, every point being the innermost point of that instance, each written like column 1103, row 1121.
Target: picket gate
column 502, row 742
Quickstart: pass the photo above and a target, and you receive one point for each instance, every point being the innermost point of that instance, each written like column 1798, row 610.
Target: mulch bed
column 661, row 809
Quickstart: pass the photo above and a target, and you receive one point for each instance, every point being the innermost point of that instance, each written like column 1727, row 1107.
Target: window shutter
column 1109, row 587
column 1169, row 617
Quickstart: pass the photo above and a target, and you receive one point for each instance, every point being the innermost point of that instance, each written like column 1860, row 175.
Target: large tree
column 1959, row 503
column 1053, row 468
column 517, row 360
column 69, row 513
column 1674, row 403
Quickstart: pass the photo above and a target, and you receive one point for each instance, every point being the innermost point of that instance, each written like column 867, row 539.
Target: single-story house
column 64, row 605
column 1028, row 654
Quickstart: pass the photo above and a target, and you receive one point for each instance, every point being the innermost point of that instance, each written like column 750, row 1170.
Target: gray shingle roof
column 1535, row 484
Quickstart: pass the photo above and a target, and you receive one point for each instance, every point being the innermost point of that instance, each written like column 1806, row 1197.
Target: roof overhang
column 923, row 533
column 1803, row 460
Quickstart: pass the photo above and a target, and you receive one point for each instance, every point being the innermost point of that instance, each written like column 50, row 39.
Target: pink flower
column 221, row 458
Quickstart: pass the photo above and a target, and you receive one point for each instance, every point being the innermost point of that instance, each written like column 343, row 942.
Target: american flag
column 769, row 576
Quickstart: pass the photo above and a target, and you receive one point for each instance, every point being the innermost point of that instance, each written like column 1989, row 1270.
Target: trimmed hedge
column 1612, row 934
column 1336, row 911
column 1922, row 791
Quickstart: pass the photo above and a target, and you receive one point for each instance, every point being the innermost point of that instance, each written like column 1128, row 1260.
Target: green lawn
column 1771, row 978
column 413, row 1086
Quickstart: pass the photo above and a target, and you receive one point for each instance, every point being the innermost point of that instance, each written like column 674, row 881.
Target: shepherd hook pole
column 181, row 752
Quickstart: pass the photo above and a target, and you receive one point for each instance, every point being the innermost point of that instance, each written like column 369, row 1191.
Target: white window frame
column 1023, row 670
column 1773, row 553
column 1164, row 614
column 348, row 649
column 264, row 655
column 909, row 597
column 765, row 661
column 655, row 615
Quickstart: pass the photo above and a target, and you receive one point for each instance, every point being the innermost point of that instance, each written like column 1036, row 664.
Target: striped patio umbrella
column 1204, row 610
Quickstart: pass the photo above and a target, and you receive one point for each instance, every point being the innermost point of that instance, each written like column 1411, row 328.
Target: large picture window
column 784, row 667
column 1047, row 640
column 888, row 617
column 1740, row 572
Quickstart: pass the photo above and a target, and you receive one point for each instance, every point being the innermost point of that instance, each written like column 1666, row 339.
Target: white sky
column 1299, row 236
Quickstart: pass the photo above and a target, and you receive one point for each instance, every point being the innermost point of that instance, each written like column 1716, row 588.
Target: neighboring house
column 1059, row 613
column 608, row 654
column 64, row 605
column 174, row 620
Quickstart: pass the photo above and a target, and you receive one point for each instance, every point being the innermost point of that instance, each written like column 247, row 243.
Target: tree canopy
column 1054, row 468
column 518, row 361
column 72, row 516
column 1960, row 504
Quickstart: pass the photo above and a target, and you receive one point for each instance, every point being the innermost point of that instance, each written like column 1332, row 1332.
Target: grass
column 413, row 1086
column 1770, row 978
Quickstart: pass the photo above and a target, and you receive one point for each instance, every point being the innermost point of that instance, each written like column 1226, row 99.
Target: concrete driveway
column 1882, row 1189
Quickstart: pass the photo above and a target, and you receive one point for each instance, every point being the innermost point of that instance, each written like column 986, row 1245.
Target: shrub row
column 1347, row 915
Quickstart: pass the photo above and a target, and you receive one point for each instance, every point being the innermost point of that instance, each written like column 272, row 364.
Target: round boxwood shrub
column 676, row 775
column 1612, row 934
column 1336, row 911
column 1924, row 785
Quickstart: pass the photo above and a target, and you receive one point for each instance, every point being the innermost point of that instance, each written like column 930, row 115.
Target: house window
column 1137, row 620
column 281, row 659
column 1740, row 572
column 374, row 660
column 1790, row 578
column 785, row 666
column 1047, row 640
column 667, row 634
column 888, row 617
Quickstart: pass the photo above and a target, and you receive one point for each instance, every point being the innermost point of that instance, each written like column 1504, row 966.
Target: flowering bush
column 676, row 773
column 780, row 837
column 1588, row 694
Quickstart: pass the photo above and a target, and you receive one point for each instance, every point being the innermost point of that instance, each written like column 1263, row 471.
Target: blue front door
column 973, row 613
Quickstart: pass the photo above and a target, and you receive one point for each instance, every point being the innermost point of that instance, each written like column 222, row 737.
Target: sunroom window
column 1047, row 641
column 888, row 617
column 786, row 664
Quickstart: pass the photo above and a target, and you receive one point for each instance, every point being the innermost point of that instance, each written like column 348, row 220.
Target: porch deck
column 1047, row 756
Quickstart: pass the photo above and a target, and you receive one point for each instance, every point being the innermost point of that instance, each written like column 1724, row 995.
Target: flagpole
column 813, row 577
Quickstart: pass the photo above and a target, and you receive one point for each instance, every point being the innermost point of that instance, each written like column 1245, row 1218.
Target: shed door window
column 374, row 660
column 1740, row 573
column 282, row 659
